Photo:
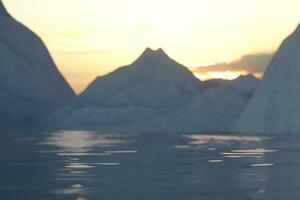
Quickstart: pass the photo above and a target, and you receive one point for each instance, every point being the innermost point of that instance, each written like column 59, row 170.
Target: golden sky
column 88, row 38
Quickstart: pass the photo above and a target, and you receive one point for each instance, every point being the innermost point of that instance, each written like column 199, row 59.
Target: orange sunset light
column 227, row 75
column 88, row 38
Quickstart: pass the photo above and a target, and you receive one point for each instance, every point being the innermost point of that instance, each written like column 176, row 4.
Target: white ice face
column 30, row 84
column 275, row 106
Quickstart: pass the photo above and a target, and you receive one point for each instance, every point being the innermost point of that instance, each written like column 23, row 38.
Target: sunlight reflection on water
column 221, row 139
column 76, row 188
column 81, row 165
column 82, row 146
column 262, row 165
column 215, row 161
column 82, row 141
column 212, row 142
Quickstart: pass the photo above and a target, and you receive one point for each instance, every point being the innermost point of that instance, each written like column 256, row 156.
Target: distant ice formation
column 155, row 94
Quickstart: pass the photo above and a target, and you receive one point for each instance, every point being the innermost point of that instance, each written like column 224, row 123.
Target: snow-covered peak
column 154, row 79
column 157, row 66
column 150, row 52
column 151, row 58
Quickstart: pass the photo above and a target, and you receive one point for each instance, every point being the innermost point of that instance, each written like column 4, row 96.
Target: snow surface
column 30, row 84
column 153, row 94
column 275, row 106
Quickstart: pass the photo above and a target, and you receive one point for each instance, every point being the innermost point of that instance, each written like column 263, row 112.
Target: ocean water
column 78, row 165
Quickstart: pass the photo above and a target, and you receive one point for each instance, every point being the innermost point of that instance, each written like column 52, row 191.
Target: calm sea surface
column 90, row 165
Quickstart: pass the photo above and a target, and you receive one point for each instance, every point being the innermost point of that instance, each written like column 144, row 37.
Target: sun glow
column 226, row 75
column 88, row 38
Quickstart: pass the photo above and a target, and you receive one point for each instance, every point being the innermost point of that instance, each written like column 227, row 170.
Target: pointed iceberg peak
column 160, row 51
column 153, row 54
column 3, row 10
column 148, row 51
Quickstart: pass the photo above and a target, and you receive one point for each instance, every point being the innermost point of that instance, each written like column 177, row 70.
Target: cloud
column 252, row 63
